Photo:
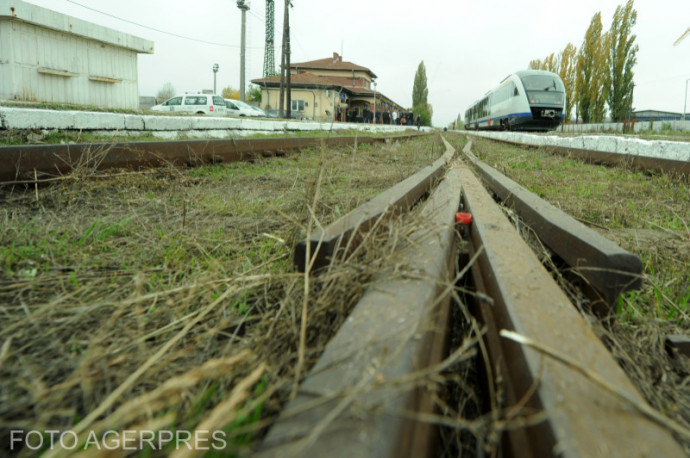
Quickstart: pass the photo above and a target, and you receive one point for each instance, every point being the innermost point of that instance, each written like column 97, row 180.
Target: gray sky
column 467, row 47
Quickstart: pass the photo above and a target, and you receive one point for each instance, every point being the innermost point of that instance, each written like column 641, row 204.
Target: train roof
column 522, row 73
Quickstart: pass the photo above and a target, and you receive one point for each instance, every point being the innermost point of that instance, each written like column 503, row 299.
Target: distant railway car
column 525, row 100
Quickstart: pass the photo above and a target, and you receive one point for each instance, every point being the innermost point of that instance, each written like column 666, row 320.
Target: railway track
column 375, row 389
column 34, row 163
column 370, row 393
column 655, row 156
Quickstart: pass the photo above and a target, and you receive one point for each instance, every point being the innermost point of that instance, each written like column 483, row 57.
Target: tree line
column 600, row 74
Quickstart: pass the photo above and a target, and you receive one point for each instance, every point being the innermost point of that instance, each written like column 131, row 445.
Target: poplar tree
column 623, row 57
column 550, row 63
column 590, row 79
column 419, row 89
column 600, row 87
column 420, row 92
column 567, row 66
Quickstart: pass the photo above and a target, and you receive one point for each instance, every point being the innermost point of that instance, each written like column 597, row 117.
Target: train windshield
column 542, row 83
column 544, row 89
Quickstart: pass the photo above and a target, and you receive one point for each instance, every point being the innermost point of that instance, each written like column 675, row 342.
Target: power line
column 154, row 29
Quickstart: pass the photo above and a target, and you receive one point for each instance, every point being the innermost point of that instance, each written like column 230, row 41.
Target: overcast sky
column 467, row 47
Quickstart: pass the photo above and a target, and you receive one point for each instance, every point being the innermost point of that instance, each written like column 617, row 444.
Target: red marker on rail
column 463, row 218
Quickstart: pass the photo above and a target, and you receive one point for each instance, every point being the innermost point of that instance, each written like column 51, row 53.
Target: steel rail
column 670, row 166
column 352, row 403
column 326, row 242
column 605, row 266
column 583, row 418
column 20, row 162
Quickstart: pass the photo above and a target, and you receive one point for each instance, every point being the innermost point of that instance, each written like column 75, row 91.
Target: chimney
column 336, row 58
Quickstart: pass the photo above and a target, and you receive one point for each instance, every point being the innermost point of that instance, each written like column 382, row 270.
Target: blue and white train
column 525, row 100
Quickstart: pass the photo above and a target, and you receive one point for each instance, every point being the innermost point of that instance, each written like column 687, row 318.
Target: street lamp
column 215, row 70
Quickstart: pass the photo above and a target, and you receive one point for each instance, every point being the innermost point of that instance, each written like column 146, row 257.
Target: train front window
column 542, row 83
column 544, row 89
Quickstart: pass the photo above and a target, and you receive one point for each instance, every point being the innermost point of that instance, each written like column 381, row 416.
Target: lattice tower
column 269, row 53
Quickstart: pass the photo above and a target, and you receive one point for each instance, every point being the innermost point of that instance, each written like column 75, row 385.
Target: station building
column 47, row 56
column 328, row 89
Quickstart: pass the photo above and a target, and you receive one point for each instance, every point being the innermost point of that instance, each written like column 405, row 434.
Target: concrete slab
column 30, row 118
column 676, row 151
column 20, row 118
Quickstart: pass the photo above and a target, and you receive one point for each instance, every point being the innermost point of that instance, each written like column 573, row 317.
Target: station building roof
column 331, row 63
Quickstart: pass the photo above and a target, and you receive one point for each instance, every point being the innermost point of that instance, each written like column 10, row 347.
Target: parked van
column 194, row 103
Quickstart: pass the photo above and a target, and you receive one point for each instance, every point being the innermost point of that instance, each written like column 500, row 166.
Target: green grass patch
column 647, row 214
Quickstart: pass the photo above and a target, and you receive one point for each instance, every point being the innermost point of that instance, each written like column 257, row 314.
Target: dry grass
column 167, row 300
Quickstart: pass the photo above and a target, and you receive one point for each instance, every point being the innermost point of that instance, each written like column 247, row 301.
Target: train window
column 542, row 83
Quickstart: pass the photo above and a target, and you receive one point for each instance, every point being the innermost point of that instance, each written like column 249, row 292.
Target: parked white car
column 194, row 103
column 259, row 112
column 239, row 108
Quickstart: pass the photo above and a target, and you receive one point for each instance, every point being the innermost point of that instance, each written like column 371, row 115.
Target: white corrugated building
column 46, row 56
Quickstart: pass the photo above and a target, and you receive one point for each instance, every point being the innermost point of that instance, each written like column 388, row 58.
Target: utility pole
column 269, row 50
column 285, row 63
column 244, row 6
column 685, row 103
column 374, row 101
column 281, row 103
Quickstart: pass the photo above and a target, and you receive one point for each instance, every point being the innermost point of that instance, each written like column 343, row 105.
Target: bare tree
column 166, row 92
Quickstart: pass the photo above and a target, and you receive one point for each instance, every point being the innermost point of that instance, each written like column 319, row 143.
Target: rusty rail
column 605, row 266
column 637, row 162
column 22, row 162
column 326, row 242
column 583, row 418
column 671, row 166
column 347, row 406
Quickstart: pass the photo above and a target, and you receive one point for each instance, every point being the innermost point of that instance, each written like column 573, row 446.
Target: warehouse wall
column 51, row 66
